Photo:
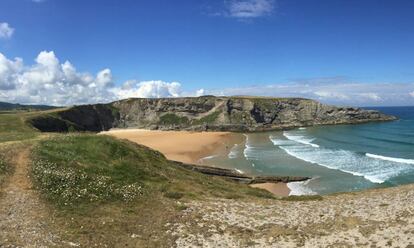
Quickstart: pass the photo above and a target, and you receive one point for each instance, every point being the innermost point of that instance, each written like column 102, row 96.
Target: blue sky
column 221, row 46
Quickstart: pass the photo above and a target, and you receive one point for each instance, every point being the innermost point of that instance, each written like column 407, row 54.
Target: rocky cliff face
column 93, row 118
column 212, row 113
column 236, row 113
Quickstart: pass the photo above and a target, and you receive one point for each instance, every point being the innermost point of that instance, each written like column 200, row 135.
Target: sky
column 345, row 52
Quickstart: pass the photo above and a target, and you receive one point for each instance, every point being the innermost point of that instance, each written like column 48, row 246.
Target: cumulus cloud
column 48, row 81
column 332, row 91
column 148, row 89
column 200, row 92
column 249, row 8
column 9, row 70
column 6, row 31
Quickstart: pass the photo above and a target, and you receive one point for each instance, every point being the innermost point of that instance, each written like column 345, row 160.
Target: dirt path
column 23, row 218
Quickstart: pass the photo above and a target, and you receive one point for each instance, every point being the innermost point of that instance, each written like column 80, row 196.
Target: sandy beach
column 191, row 147
column 184, row 146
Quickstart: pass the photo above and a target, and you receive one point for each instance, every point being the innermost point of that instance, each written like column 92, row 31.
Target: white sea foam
column 246, row 145
column 234, row 152
column 302, row 128
column 250, row 152
column 207, row 157
column 239, row 171
column 397, row 160
column 373, row 169
column 300, row 188
column 300, row 139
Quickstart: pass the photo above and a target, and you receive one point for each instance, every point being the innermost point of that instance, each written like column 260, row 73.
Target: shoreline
column 192, row 147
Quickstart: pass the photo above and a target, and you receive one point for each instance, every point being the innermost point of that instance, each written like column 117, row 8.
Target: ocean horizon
column 338, row 158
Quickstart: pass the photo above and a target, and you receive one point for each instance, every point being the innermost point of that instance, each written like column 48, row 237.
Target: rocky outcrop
column 206, row 113
column 238, row 177
column 236, row 113
column 93, row 118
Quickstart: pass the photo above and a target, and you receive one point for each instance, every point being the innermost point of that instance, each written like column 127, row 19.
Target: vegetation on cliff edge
column 78, row 169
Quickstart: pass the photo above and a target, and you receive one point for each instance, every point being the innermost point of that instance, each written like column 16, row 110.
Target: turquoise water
column 338, row 158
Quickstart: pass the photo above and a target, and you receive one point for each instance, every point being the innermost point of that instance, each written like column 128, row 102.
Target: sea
column 337, row 158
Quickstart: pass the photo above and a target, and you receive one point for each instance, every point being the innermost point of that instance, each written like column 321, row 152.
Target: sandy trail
column 23, row 218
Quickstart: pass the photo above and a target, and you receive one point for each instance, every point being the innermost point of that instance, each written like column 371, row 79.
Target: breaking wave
column 300, row 138
column 397, row 160
column 374, row 168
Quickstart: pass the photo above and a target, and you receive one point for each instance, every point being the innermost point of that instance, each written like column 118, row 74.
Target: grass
column 78, row 169
column 264, row 103
column 13, row 127
column 104, row 190
column 208, row 119
column 173, row 119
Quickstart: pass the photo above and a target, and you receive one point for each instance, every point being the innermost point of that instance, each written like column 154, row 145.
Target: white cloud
column 148, row 89
column 200, row 92
column 9, row 69
column 249, row 8
column 371, row 96
column 6, row 31
column 333, row 91
column 50, row 82
column 331, row 95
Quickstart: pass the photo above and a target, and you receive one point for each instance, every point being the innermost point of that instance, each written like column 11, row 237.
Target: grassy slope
column 84, row 168
column 13, row 127
column 103, row 191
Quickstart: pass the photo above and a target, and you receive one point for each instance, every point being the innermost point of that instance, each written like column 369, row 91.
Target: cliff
column 205, row 113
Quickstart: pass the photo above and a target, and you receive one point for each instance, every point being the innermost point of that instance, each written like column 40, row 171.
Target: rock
column 208, row 113
column 238, row 177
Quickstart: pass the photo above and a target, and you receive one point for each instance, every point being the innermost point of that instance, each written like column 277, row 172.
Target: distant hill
column 5, row 106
